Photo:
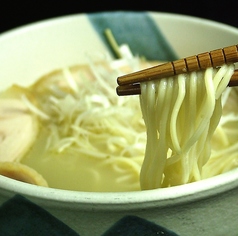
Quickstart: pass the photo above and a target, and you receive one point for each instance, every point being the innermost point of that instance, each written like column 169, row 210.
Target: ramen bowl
column 207, row 207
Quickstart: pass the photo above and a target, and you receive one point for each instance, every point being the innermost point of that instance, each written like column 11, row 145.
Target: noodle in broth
column 90, row 139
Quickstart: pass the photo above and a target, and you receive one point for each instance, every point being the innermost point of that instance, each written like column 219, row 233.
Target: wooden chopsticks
column 129, row 84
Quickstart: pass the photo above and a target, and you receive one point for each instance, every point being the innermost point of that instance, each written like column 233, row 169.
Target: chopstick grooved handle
column 201, row 61
column 223, row 53
column 231, row 54
column 199, row 64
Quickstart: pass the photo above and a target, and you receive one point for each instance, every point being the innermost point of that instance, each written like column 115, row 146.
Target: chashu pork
column 18, row 131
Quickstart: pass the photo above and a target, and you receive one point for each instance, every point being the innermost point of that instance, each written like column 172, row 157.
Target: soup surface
column 90, row 139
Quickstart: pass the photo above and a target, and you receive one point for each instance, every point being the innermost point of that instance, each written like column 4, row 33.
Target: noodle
column 181, row 114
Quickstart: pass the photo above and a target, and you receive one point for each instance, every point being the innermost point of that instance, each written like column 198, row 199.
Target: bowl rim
column 161, row 197
column 123, row 200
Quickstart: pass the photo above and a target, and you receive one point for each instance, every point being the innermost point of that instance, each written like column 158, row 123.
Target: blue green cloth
column 136, row 29
column 136, row 226
column 21, row 217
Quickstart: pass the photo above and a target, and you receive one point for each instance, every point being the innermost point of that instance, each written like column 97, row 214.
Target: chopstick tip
column 126, row 90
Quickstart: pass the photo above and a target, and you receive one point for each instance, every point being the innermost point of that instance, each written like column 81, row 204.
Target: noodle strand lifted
column 181, row 114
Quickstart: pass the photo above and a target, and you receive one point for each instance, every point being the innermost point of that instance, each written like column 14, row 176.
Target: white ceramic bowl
column 208, row 207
